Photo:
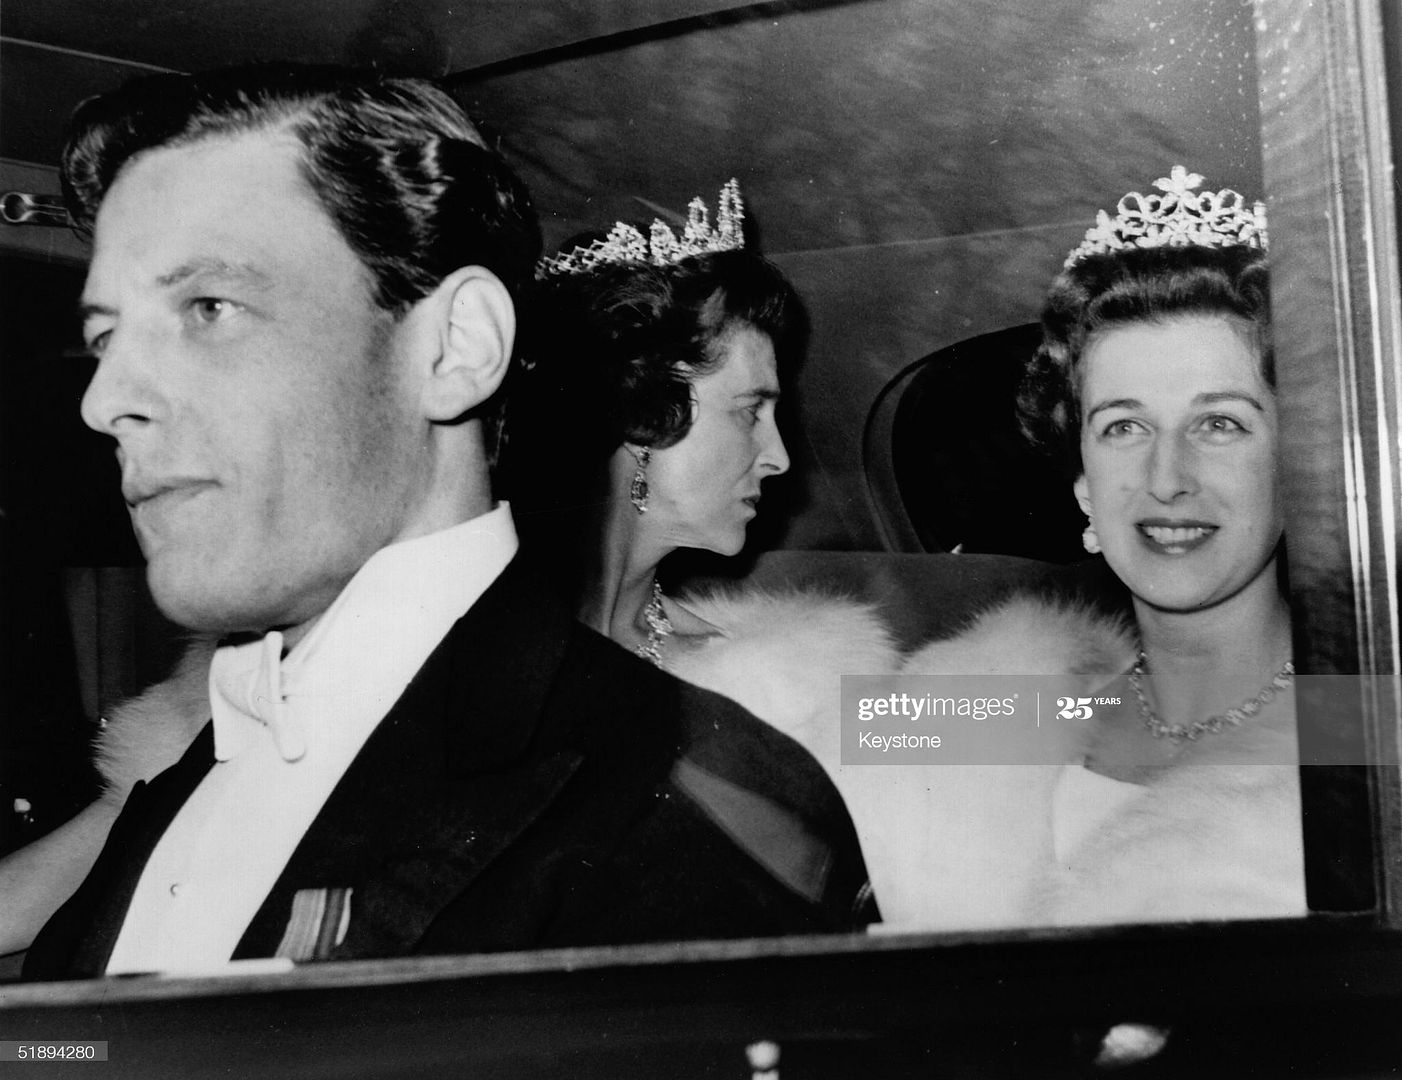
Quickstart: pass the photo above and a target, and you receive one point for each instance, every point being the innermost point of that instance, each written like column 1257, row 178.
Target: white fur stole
column 1215, row 835
column 782, row 656
column 147, row 734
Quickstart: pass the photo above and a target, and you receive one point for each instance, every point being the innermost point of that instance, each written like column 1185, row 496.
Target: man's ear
column 1082, row 490
column 475, row 324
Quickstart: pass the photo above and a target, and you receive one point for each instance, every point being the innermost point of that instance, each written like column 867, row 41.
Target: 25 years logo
column 1081, row 708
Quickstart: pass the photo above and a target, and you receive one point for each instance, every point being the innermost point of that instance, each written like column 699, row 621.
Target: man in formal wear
column 302, row 298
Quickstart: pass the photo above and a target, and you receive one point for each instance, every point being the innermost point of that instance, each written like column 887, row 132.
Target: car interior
column 918, row 169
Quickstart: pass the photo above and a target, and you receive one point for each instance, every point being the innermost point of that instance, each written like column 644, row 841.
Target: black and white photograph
column 700, row 538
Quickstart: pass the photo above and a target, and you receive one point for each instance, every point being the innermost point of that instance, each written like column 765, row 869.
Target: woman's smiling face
column 1178, row 445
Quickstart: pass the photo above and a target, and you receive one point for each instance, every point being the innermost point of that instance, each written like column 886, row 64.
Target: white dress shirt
column 286, row 730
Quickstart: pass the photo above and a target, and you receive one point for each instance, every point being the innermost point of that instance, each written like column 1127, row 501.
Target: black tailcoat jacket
column 535, row 786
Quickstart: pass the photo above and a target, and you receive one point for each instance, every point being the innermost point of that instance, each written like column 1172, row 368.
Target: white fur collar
column 782, row 656
column 1217, row 835
column 147, row 734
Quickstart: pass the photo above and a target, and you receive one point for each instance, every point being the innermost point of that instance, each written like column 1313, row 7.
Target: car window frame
column 1337, row 326
column 1338, row 336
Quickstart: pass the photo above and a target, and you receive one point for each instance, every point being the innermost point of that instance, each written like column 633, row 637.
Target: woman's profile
column 643, row 422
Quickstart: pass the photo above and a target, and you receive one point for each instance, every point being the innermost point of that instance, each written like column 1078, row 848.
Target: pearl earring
column 1090, row 540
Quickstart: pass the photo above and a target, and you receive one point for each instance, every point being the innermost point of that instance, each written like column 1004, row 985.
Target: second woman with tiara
column 642, row 421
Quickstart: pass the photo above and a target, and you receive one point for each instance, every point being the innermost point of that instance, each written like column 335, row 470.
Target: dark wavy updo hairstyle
column 608, row 357
column 1132, row 286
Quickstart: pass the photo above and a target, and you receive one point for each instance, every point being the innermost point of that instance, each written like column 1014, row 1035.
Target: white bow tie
column 245, row 693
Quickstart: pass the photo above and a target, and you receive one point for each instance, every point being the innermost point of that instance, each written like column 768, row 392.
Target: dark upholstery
column 946, row 465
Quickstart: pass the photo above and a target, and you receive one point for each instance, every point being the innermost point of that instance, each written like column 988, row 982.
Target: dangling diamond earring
column 1089, row 539
column 637, row 490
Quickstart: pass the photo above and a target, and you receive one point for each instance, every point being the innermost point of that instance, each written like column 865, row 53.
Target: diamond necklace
column 1160, row 728
column 659, row 627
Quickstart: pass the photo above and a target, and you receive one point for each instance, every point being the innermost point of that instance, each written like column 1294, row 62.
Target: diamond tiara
column 1179, row 217
column 661, row 247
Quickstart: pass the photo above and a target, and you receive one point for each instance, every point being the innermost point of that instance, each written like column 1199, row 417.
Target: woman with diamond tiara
column 642, row 421
column 656, row 362
column 1155, row 386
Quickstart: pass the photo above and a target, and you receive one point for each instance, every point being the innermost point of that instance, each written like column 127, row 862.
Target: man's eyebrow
column 763, row 393
column 215, row 268
column 220, row 269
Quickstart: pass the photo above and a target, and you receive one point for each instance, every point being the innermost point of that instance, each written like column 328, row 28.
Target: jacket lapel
column 456, row 771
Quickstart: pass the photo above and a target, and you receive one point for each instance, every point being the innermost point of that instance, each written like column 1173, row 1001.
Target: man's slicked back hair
column 396, row 163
